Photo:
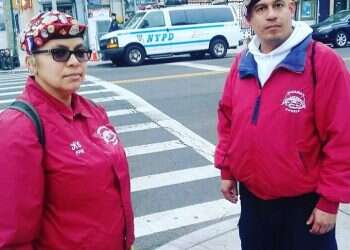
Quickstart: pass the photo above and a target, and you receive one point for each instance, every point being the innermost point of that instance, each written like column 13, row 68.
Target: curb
column 202, row 236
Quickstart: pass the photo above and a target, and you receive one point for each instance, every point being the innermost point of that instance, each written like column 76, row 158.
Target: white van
column 190, row 29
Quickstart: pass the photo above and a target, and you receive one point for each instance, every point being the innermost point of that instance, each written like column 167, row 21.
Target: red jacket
column 290, row 137
column 72, row 194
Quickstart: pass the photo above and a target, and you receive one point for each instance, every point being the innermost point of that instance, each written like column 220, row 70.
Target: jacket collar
column 33, row 89
column 294, row 61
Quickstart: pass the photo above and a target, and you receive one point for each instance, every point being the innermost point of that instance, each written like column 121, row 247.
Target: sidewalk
column 224, row 235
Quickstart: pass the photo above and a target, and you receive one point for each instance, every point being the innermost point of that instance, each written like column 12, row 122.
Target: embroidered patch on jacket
column 108, row 135
column 77, row 148
column 294, row 101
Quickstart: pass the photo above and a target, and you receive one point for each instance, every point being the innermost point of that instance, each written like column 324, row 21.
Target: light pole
column 14, row 40
column 54, row 4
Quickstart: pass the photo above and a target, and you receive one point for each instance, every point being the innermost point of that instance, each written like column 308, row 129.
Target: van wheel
column 218, row 48
column 134, row 55
column 198, row 54
column 341, row 39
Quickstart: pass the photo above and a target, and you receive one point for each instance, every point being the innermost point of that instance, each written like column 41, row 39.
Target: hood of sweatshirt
column 266, row 62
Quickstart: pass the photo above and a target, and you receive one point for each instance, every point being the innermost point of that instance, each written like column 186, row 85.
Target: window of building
column 308, row 9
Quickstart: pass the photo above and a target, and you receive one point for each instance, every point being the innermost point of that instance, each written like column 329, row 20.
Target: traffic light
column 26, row 4
column 22, row 4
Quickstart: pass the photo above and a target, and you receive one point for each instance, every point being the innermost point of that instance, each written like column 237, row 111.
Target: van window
column 153, row 19
column 218, row 15
column 197, row 16
column 178, row 17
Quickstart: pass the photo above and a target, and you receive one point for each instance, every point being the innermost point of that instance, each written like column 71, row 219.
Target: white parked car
column 169, row 31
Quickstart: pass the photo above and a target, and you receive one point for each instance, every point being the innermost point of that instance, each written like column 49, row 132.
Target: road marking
column 154, row 148
column 80, row 93
column 107, row 99
column 21, row 86
column 12, row 84
column 121, row 112
column 87, row 92
column 185, row 216
column 7, row 101
column 158, row 78
column 136, row 127
column 188, row 137
column 7, row 81
column 96, row 100
column 173, row 178
column 201, row 66
column 12, row 87
column 10, row 93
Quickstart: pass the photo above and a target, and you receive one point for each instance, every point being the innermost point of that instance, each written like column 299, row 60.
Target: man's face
column 272, row 22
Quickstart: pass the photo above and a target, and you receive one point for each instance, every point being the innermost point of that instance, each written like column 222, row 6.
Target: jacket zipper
column 256, row 109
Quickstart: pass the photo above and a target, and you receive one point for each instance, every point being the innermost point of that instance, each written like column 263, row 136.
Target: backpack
column 32, row 114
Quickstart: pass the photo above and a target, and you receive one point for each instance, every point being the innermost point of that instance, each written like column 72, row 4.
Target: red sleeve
column 21, row 182
column 332, row 104
column 224, row 124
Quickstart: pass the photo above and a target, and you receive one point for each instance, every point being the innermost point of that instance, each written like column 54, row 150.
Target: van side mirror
column 145, row 24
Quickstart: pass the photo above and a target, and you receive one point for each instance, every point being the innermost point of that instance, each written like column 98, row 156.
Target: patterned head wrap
column 47, row 26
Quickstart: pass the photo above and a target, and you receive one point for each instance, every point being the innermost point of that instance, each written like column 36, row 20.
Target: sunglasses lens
column 82, row 55
column 60, row 54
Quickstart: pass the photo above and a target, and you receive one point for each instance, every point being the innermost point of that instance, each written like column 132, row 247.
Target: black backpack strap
column 31, row 112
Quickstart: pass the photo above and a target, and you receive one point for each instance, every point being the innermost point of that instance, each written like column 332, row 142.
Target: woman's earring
column 33, row 71
column 32, row 67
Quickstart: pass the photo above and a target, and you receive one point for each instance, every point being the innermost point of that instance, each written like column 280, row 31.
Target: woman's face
column 60, row 79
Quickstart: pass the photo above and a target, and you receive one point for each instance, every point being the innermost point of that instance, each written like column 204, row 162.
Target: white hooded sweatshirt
column 267, row 62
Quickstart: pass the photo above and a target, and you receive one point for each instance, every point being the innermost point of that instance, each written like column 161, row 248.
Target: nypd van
column 192, row 29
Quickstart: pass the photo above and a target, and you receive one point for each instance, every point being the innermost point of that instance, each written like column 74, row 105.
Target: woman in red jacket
column 73, row 191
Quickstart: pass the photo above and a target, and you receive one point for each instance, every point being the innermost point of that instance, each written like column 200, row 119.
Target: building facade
column 314, row 11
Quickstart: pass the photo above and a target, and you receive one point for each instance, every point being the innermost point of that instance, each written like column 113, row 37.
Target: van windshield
column 134, row 21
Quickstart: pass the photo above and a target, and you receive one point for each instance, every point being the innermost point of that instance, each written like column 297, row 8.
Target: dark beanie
column 248, row 6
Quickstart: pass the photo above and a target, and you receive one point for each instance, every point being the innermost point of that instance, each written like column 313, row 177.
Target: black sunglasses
column 64, row 54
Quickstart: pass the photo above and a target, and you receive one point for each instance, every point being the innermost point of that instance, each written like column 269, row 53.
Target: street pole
column 54, row 4
column 14, row 40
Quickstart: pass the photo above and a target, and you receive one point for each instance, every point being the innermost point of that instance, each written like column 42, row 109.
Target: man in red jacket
column 284, row 134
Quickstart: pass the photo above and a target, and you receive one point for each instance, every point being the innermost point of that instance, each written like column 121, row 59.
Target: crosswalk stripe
column 5, row 101
column 201, row 66
column 87, row 92
column 184, row 216
column 7, row 81
column 154, row 148
column 97, row 100
column 137, row 127
column 173, row 178
column 107, row 99
column 10, row 93
column 20, row 85
column 121, row 112
column 14, row 84
column 12, row 87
